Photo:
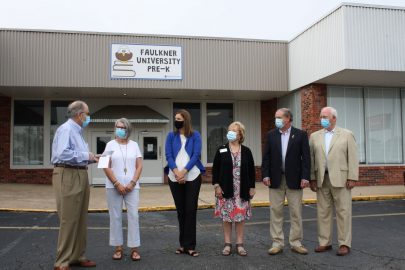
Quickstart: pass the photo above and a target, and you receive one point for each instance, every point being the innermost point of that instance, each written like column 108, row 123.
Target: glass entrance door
column 150, row 144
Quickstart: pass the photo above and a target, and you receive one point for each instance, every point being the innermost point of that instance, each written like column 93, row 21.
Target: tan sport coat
column 343, row 163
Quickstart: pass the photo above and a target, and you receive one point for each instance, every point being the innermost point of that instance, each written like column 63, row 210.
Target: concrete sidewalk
column 28, row 197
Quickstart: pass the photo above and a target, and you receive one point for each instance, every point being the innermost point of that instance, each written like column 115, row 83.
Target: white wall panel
column 375, row 38
column 317, row 52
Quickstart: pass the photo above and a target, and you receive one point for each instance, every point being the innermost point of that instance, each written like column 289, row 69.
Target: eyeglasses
column 121, row 127
column 86, row 113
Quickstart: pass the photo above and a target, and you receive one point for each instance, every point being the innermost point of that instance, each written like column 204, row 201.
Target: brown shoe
column 61, row 268
column 300, row 250
column 323, row 248
column 86, row 263
column 275, row 250
column 118, row 253
column 343, row 250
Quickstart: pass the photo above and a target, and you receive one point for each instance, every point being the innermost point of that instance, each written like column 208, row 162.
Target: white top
column 129, row 152
column 285, row 137
column 181, row 161
column 328, row 139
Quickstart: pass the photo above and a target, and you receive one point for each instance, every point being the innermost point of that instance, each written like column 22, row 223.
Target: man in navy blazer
column 286, row 171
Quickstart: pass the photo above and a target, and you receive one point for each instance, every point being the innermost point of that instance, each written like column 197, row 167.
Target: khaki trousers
column 294, row 198
column 71, row 187
column 340, row 197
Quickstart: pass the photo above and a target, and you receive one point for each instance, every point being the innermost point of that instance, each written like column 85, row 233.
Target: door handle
column 160, row 152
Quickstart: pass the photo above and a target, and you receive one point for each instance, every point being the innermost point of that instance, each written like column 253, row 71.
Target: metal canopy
column 134, row 114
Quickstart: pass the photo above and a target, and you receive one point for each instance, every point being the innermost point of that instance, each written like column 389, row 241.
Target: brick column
column 268, row 109
column 313, row 99
column 5, row 118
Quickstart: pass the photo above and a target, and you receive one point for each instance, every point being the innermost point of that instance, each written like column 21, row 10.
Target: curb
column 209, row 206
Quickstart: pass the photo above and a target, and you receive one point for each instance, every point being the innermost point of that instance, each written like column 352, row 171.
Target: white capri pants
column 115, row 200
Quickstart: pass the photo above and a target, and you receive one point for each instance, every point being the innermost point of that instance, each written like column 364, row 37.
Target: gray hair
column 332, row 110
column 287, row 113
column 75, row 108
column 127, row 126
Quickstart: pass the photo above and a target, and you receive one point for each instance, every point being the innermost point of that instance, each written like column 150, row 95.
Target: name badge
column 223, row 150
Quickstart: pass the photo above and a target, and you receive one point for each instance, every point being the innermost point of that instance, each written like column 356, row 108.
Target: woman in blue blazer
column 183, row 153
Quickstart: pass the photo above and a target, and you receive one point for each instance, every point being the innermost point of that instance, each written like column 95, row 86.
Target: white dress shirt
column 328, row 139
column 285, row 137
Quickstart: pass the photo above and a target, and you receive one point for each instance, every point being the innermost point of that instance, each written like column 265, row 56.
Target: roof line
column 141, row 35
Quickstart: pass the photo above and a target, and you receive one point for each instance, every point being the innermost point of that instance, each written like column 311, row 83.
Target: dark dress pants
column 186, row 200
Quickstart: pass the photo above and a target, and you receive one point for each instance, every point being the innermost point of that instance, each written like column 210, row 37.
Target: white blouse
column 181, row 161
column 128, row 153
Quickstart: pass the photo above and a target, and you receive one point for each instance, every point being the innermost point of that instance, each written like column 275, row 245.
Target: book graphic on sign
column 123, row 66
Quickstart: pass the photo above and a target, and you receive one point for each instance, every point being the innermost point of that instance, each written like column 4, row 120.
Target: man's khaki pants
column 294, row 198
column 340, row 197
column 71, row 187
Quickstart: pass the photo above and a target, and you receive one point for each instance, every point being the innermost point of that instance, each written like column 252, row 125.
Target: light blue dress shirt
column 68, row 145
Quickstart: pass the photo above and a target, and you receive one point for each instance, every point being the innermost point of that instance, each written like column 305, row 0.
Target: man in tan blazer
column 334, row 170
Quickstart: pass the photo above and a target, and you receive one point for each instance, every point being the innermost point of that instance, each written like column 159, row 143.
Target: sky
column 253, row 19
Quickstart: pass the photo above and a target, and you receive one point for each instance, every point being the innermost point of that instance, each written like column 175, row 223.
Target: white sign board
column 154, row 62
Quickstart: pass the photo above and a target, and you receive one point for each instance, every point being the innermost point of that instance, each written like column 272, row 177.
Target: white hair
column 332, row 110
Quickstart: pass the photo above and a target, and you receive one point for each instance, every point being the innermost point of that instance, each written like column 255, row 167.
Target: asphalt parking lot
column 28, row 241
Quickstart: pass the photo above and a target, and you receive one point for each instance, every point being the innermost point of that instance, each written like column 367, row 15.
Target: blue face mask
column 279, row 123
column 325, row 123
column 86, row 122
column 231, row 135
column 120, row 132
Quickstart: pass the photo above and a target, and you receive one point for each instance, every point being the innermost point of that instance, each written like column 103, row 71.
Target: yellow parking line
column 208, row 206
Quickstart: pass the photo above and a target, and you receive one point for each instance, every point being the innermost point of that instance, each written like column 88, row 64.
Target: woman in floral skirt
column 233, row 176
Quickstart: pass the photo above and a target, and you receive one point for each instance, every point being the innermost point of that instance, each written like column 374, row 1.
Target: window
column 383, row 125
column 28, row 133
column 219, row 116
column 374, row 116
column 349, row 103
column 58, row 116
column 194, row 110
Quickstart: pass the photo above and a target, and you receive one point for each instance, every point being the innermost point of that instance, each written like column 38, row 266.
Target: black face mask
column 178, row 124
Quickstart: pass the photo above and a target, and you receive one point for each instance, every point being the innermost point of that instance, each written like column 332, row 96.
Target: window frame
column 46, row 136
column 203, row 115
column 402, row 121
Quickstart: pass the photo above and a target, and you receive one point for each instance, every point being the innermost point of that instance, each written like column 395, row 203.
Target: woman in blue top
column 183, row 151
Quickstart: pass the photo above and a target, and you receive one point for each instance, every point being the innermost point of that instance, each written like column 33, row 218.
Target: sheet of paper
column 103, row 162
column 150, row 147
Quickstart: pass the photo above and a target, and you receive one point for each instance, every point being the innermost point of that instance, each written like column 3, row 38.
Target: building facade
column 352, row 59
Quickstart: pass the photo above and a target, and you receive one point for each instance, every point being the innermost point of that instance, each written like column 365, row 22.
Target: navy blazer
column 297, row 160
column 193, row 149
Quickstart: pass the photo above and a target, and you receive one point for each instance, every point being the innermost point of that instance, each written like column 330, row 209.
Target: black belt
column 71, row 166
